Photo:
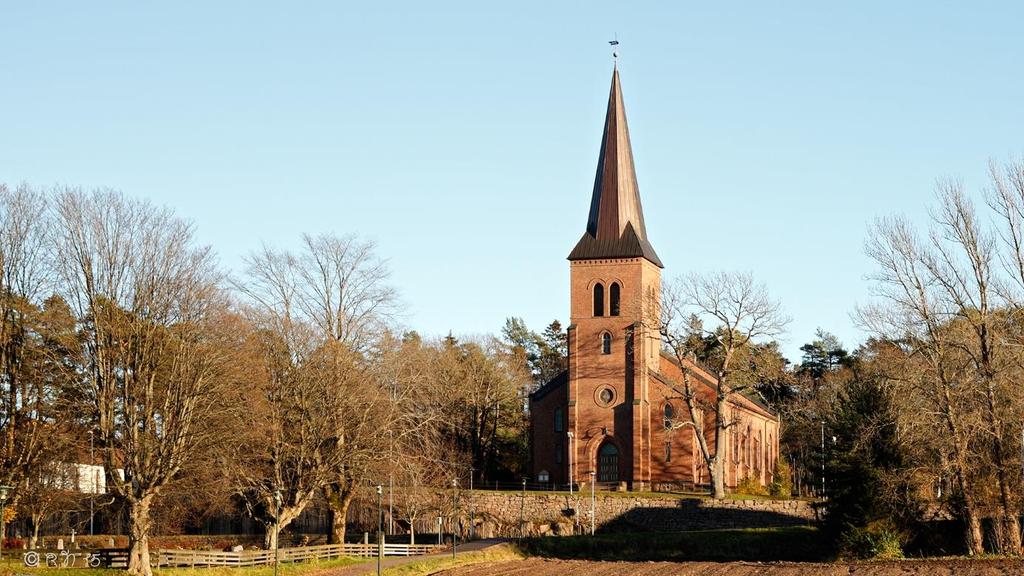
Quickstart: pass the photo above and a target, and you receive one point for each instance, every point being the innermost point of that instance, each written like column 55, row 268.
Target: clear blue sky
column 463, row 137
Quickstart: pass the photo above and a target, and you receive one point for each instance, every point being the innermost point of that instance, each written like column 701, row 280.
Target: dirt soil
column 542, row 567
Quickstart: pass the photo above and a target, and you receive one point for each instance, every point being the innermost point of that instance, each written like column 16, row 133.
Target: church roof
column 615, row 227
column 551, row 385
column 706, row 375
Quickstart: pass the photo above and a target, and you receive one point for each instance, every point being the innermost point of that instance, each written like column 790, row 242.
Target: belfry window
column 613, row 298
column 606, row 343
column 670, row 415
column 599, row 299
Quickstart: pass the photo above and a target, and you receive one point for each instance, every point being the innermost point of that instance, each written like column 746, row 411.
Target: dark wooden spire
column 615, row 228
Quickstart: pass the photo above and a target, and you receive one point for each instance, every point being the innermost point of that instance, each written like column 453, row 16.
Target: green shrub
column 879, row 540
column 751, row 486
column 782, row 483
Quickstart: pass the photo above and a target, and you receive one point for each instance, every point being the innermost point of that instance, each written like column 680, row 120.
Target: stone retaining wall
column 497, row 514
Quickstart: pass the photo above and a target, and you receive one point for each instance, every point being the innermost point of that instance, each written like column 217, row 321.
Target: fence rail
column 173, row 558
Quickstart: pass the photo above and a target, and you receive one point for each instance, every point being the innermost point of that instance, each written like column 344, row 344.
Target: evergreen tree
column 823, row 355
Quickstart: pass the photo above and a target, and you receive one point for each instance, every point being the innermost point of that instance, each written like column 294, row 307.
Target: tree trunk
column 973, row 536
column 721, row 451
column 138, row 536
column 339, row 503
column 1008, row 523
column 972, row 531
column 412, row 533
column 34, row 540
column 718, row 479
column 271, row 532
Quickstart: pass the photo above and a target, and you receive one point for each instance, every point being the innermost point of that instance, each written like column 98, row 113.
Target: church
column 613, row 412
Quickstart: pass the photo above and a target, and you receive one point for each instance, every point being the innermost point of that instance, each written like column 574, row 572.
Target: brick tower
column 615, row 411
column 613, row 345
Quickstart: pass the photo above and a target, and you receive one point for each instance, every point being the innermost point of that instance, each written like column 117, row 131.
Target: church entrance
column 608, row 463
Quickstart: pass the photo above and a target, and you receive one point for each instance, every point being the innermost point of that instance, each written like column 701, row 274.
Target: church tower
column 615, row 279
column 614, row 411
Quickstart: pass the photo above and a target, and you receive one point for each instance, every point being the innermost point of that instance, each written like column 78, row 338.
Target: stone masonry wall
column 497, row 514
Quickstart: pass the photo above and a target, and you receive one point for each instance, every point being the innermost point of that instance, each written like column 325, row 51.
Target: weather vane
column 615, row 51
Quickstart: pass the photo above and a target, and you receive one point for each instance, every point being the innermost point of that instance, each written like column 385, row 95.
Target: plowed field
column 541, row 567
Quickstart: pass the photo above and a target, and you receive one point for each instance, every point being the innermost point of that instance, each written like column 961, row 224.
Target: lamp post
column 95, row 483
column 391, row 486
column 570, row 435
column 4, row 493
column 822, row 459
column 522, row 512
column 380, row 529
column 277, row 529
column 593, row 501
column 472, row 507
column 455, row 515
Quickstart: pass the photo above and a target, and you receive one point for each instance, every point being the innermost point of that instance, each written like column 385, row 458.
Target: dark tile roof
column 615, row 225
column 550, row 386
column 708, row 379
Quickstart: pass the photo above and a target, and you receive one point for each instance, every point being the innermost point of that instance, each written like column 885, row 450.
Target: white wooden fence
column 172, row 558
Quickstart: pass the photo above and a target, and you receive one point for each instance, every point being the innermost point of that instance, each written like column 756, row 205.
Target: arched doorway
column 608, row 463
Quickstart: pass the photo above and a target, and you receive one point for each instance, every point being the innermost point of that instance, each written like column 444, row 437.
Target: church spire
column 615, row 227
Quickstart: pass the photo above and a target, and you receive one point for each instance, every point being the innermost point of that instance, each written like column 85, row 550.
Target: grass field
column 10, row 566
column 494, row 554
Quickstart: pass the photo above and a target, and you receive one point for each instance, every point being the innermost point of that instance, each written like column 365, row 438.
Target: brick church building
column 613, row 411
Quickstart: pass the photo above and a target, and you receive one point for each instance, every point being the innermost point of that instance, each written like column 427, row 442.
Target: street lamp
column 570, row 435
column 95, row 482
column 380, row 529
column 472, row 507
column 822, row 459
column 4, row 492
column 277, row 529
column 391, row 485
column 522, row 512
column 455, row 515
column 593, row 501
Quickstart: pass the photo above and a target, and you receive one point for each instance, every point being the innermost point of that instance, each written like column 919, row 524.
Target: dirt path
column 370, row 566
column 541, row 567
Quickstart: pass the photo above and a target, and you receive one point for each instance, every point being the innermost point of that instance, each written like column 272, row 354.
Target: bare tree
column 284, row 455
column 343, row 289
column 37, row 341
column 481, row 383
column 50, row 489
column 380, row 418
column 912, row 312
column 740, row 313
column 328, row 307
column 953, row 302
column 149, row 302
column 25, row 279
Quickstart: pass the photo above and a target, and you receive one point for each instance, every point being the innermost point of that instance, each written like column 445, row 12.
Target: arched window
column 613, row 298
column 670, row 414
column 599, row 299
column 606, row 343
column 559, row 422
